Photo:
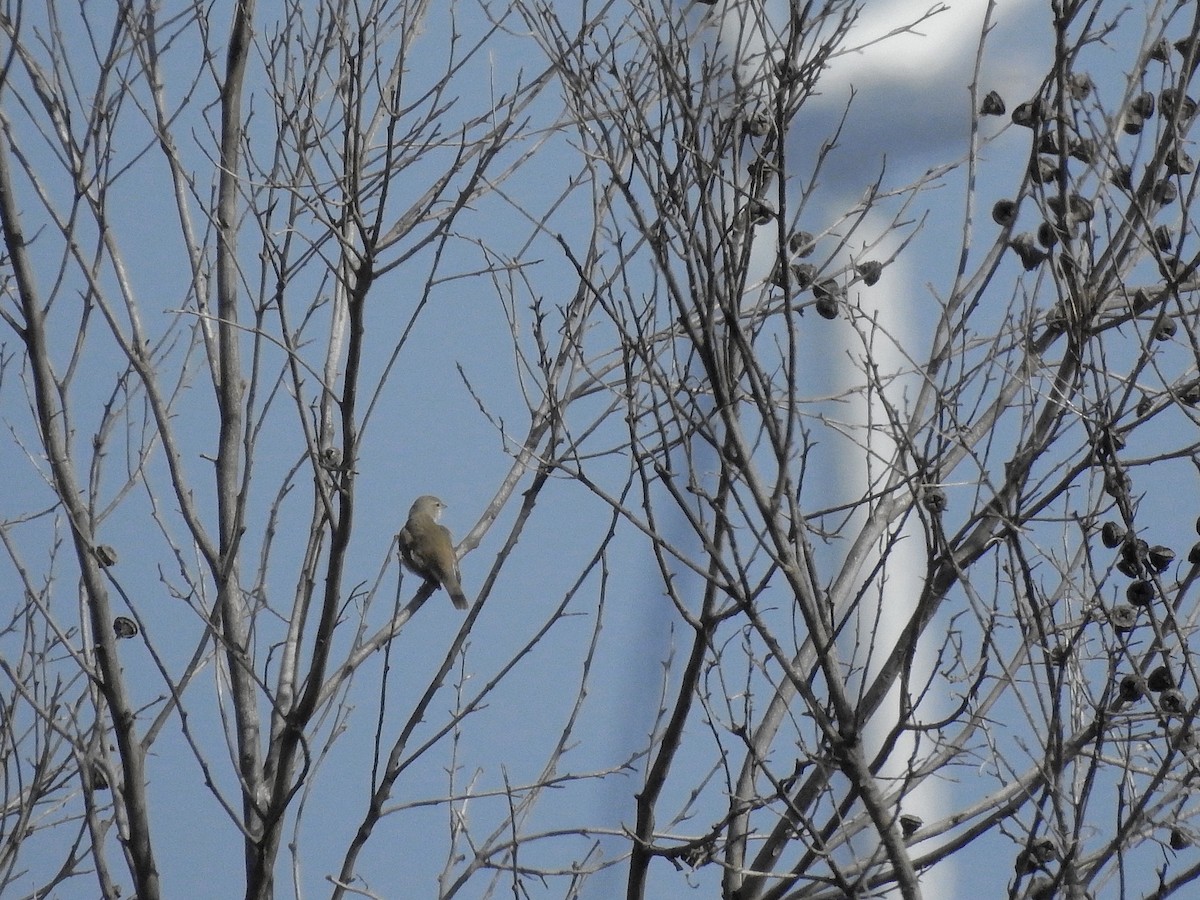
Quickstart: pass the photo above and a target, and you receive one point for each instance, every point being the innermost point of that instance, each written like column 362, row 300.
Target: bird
column 428, row 550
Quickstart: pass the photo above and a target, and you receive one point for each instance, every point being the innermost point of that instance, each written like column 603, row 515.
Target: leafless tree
column 922, row 541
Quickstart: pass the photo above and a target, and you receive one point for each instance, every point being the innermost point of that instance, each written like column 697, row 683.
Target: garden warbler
column 427, row 549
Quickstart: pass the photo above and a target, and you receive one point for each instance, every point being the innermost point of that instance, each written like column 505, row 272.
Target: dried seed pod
column 1074, row 210
column 869, row 271
column 1025, row 247
column 1140, row 593
column 1047, row 234
column 1117, row 484
column 1132, row 688
column 1079, row 85
column 1184, row 46
column 1048, row 143
column 779, row 276
column 1129, row 568
column 1026, row 862
column 1176, row 107
column 827, row 307
column 827, row 288
column 1172, row 702
column 910, row 824
column 1197, row 524
column 1166, row 329
column 1111, row 535
column 1164, row 191
column 1194, row 554
column 1160, row 680
column 1110, row 442
column 1004, row 212
column 1179, row 839
column 105, row 555
column 1028, row 114
column 827, row 293
column 1177, row 162
column 934, row 499
column 1083, row 150
column 99, row 776
column 1144, row 406
column 1164, row 240
column 759, row 125
column 1160, row 557
column 1133, row 123
column 1161, row 50
column 1080, row 209
column 1142, row 105
column 1042, row 170
column 804, row 274
column 124, row 627
column 1191, row 394
column 759, row 212
column 1134, row 550
column 1122, row 617
column 1045, row 850
column 1122, row 177
column 1041, row 888
column 993, row 104
column 802, row 244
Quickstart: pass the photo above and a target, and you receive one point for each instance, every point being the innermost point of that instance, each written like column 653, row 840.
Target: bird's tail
column 457, row 596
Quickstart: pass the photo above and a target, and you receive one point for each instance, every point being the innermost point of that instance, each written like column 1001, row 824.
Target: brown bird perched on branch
column 427, row 548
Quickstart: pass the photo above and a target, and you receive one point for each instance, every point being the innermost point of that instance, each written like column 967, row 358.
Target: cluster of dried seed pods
column 828, row 293
column 1044, row 168
column 1141, row 561
column 1052, row 127
column 1171, row 701
column 1177, row 110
